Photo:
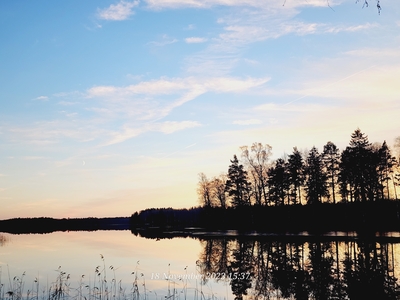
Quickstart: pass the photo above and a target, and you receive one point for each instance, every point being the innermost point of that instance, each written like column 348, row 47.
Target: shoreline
column 366, row 219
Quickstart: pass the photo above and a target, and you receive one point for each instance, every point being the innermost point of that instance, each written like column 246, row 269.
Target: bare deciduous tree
column 257, row 162
column 204, row 190
column 218, row 190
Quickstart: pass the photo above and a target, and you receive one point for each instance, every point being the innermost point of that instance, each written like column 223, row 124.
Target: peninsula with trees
column 350, row 190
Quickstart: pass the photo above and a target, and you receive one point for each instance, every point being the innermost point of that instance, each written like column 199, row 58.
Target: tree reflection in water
column 265, row 269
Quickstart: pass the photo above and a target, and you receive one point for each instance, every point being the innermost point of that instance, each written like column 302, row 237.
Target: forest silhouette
column 361, row 172
column 350, row 190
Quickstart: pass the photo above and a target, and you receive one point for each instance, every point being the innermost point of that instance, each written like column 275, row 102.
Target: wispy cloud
column 248, row 122
column 195, row 40
column 173, row 126
column 251, row 22
column 167, row 127
column 258, row 22
column 250, row 33
column 33, row 157
column 46, row 133
column 166, row 86
column 70, row 115
column 375, row 53
column 160, row 4
column 291, row 108
column 124, row 134
column 365, row 76
column 152, row 100
column 117, row 12
column 251, row 61
column 41, row 98
column 142, row 105
column 136, row 108
column 190, row 27
column 165, row 40
column 67, row 103
column 351, row 28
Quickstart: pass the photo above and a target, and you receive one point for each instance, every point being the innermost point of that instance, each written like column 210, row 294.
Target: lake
column 121, row 265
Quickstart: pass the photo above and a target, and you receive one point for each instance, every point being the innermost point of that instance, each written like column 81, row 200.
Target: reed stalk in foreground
column 99, row 287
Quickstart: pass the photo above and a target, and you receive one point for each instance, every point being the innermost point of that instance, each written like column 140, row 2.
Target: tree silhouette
column 396, row 181
column 241, row 268
column 396, row 175
column 218, row 190
column 331, row 157
column 359, row 169
column 361, row 172
column 278, row 182
column 282, row 270
column 295, row 167
column 316, row 178
column 385, row 168
column 237, row 185
column 204, row 190
column 345, row 176
column 321, row 270
column 257, row 161
column 366, row 273
column 214, row 258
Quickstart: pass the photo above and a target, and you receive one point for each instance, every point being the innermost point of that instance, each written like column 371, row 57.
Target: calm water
column 206, row 268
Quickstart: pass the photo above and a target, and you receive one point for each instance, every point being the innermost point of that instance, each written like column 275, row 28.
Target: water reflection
column 302, row 270
column 240, row 267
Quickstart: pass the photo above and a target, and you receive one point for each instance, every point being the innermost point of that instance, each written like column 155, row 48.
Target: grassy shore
column 103, row 285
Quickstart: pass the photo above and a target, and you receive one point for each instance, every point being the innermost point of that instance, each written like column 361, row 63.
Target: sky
column 110, row 107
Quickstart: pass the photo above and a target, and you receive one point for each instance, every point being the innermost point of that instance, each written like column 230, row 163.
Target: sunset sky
column 109, row 107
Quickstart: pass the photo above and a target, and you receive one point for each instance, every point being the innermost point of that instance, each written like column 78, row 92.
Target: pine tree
column 316, row 178
column 345, row 177
column 385, row 168
column 396, row 182
column 331, row 159
column 295, row 171
column 278, row 182
column 359, row 168
column 237, row 186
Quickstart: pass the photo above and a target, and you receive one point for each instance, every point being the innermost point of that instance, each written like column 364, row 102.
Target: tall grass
column 102, row 285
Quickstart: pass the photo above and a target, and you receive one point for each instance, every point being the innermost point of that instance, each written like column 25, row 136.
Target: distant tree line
column 362, row 172
column 48, row 225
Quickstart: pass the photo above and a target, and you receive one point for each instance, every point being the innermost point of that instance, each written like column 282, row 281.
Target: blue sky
column 108, row 107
